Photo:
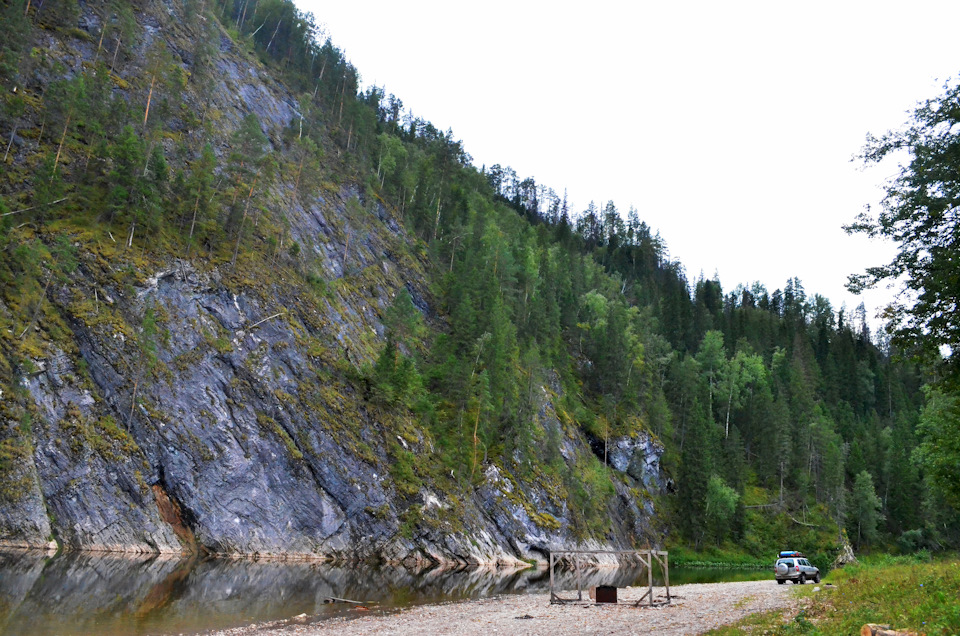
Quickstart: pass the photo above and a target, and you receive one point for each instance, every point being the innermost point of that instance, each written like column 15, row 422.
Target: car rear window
column 789, row 562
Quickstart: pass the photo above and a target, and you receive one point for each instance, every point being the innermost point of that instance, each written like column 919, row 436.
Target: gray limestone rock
column 639, row 457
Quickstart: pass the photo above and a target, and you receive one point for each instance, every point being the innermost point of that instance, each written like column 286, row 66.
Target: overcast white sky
column 730, row 126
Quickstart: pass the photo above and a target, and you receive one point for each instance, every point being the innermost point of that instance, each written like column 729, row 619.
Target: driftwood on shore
column 873, row 629
column 334, row 599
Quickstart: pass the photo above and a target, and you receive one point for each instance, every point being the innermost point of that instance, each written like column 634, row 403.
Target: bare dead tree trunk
column 193, row 222
column 453, row 251
column 242, row 16
column 115, row 51
column 436, row 222
column 12, row 135
column 246, row 207
column 260, row 322
column 146, row 114
column 60, row 147
column 33, row 207
column 296, row 182
column 136, row 387
column 270, row 43
column 99, row 46
column 320, row 78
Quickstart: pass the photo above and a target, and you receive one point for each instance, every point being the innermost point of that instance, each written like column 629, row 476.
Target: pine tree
column 864, row 510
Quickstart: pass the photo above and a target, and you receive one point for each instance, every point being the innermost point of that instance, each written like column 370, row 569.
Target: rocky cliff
column 172, row 402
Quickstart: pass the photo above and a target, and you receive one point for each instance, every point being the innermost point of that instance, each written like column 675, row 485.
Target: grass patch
column 271, row 424
column 713, row 557
column 743, row 602
column 759, row 623
column 14, row 479
column 907, row 593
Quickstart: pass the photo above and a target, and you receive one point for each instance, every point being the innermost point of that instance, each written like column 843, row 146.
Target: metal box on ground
column 606, row 594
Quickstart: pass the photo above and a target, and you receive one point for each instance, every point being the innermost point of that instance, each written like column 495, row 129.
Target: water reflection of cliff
column 113, row 595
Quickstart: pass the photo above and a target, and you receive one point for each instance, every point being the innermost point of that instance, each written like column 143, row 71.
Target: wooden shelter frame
column 646, row 558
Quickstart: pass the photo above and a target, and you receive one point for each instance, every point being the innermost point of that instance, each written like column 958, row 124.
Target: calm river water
column 109, row 595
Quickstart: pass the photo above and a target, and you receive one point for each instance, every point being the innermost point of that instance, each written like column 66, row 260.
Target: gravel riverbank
column 696, row 608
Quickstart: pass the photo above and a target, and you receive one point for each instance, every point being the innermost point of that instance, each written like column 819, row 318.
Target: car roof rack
column 790, row 553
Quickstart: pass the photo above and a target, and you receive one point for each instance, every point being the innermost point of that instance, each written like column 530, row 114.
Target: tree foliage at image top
column 920, row 213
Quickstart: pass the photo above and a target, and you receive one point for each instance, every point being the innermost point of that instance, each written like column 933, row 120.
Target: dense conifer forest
column 786, row 421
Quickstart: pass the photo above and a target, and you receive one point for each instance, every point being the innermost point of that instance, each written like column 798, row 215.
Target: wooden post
column 579, row 586
column 666, row 574
column 650, row 574
column 551, row 576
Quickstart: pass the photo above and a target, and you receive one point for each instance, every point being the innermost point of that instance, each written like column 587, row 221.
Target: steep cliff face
column 185, row 404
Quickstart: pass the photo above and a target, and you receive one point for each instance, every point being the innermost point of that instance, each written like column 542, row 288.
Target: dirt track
column 696, row 608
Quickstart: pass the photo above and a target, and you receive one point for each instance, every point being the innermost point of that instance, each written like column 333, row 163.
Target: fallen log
column 334, row 599
column 873, row 629
column 34, row 207
column 801, row 523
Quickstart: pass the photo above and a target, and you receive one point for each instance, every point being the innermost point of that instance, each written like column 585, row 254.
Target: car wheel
column 816, row 577
column 803, row 579
column 780, row 581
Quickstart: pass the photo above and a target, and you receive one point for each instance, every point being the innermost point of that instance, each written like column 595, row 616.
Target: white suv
column 796, row 569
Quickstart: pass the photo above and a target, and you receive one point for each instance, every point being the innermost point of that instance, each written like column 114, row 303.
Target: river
column 113, row 595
